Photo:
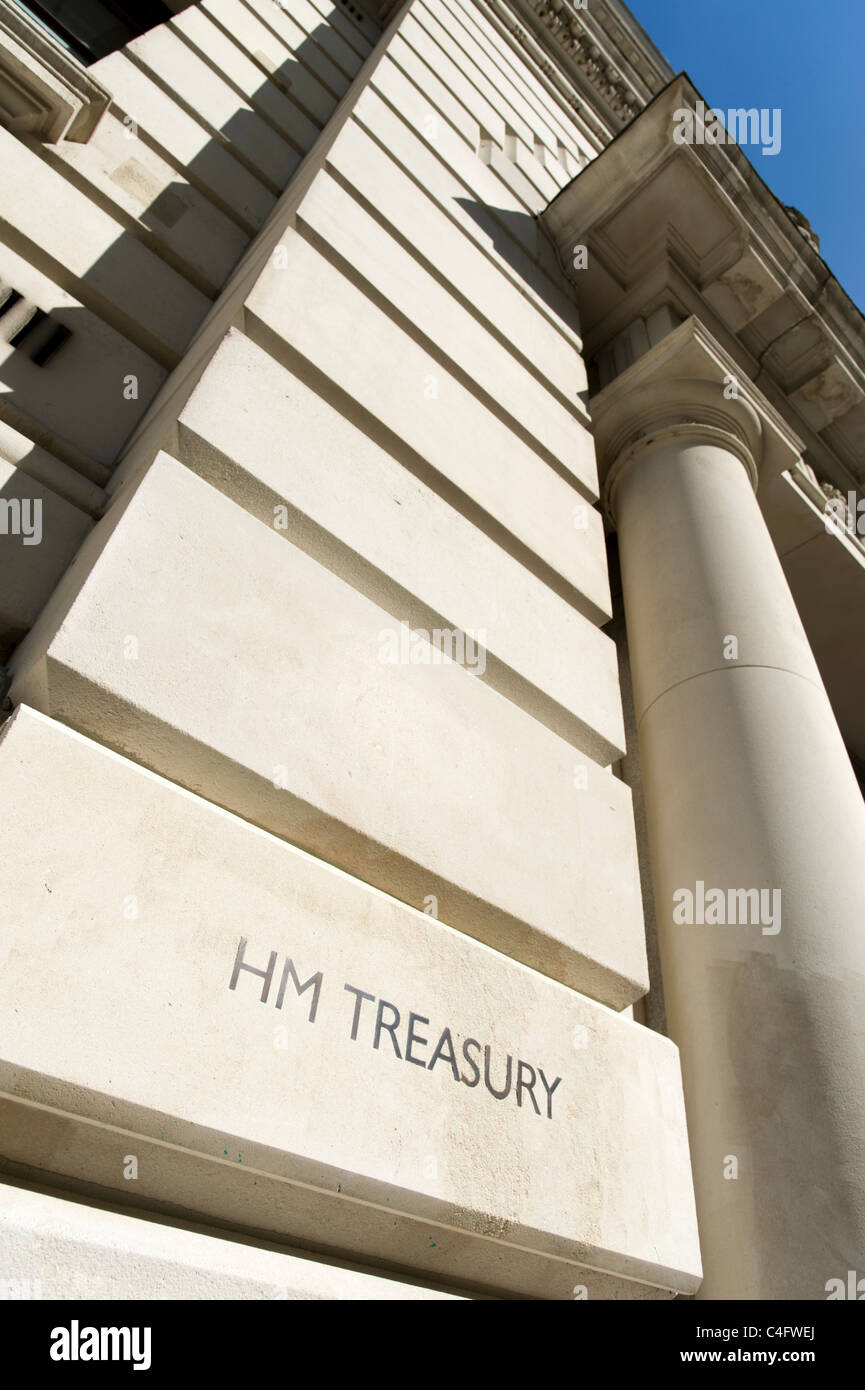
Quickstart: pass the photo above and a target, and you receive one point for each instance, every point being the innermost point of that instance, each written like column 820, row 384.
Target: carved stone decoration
column 843, row 509
column 660, row 227
column 565, row 26
column 804, row 226
column 520, row 35
column 44, row 90
column 604, row 99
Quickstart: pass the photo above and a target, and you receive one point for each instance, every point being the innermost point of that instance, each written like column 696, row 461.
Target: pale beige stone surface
column 186, row 141
column 316, row 94
column 749, row 786
column 469, row 189
column 331, row 218
column 456, row 257
column 241, row 662
column 325, row 49
column 135, row 289
column 358, row 34
column 76, row 404
column 58, row 1249
column 305, row 302
column 825, row 568
column 272, row 37
column 278, row 1117
column 473, row 68
column 416, row 33
column 325, row 26
column 488, row 55
column 554, row 118
column 30, row 458
column 189, row 229
column 429, row 85
column 49, row 531
column 217, row 104
column 749, row 790
column 268, row 440
column 255, row 678
column 264, row 96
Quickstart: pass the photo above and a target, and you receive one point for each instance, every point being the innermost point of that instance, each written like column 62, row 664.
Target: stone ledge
column 44, row 90
column 55, row 1248
column 400, row 1093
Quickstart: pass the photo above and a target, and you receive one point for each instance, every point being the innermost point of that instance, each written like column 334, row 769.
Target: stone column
column 748, row 786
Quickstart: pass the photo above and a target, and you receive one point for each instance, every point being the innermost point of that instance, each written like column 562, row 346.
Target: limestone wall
column 327, row 677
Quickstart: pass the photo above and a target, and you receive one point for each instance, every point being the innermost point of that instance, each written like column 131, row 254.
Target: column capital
column 687, row 386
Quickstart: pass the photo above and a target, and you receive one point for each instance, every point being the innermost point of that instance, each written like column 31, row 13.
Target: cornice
column 601, row 62
column 536, row 50
column 601, row 48
column 695, row 227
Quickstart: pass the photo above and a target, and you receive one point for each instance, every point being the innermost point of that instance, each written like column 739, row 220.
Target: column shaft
column 748, row 786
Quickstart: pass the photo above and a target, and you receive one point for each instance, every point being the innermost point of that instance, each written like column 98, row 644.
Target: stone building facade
column 431, row 613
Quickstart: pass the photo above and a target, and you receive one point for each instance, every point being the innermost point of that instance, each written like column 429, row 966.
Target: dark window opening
column 24, row 325
column 93, row 28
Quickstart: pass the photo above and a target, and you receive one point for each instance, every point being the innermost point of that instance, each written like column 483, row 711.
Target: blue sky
column 809, row 60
